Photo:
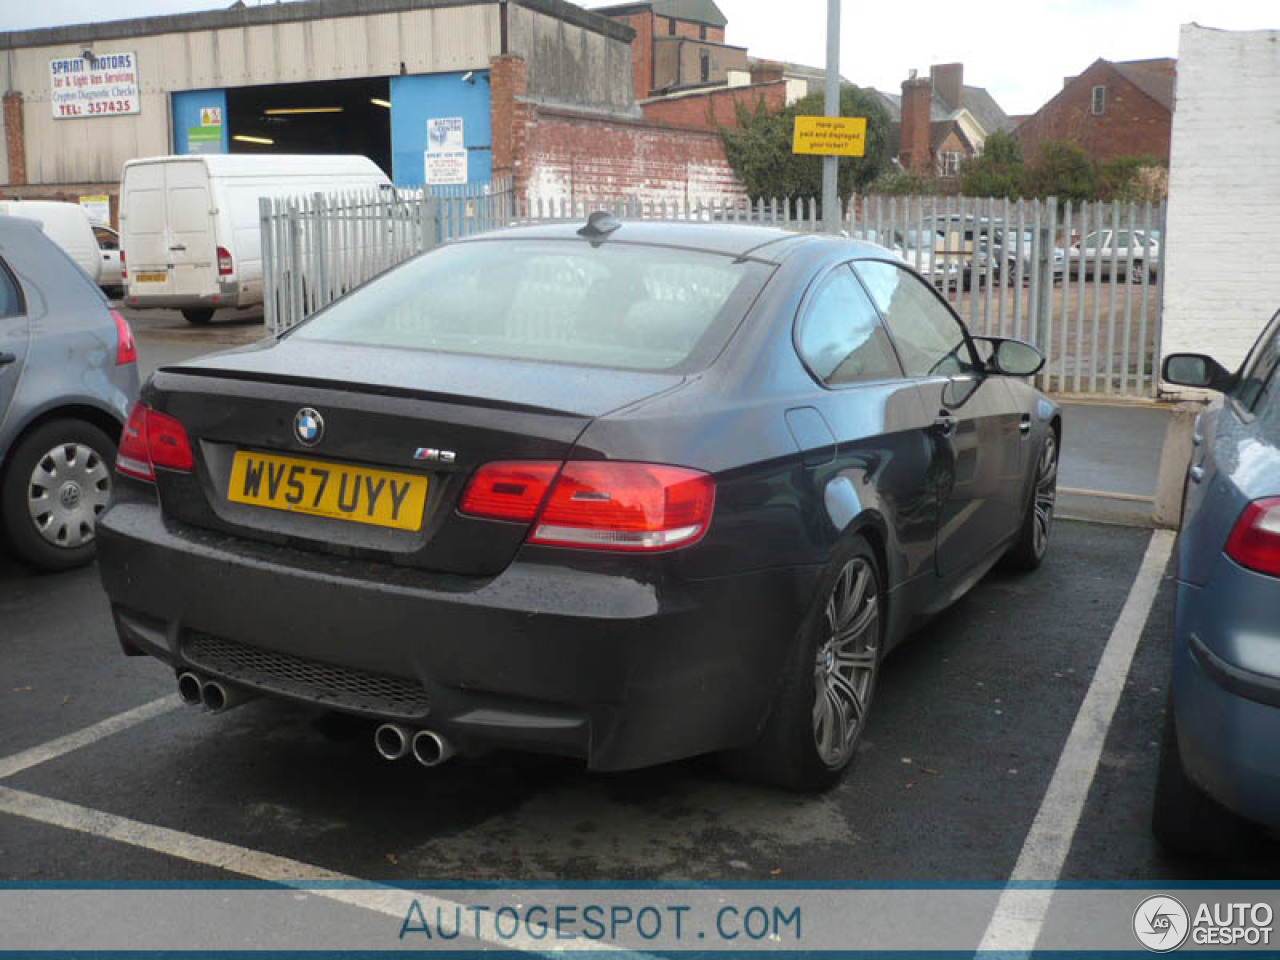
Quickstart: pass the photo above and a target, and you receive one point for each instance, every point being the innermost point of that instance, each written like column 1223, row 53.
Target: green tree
column 998, row 171
column 760, row 152
column 1061, row 170
column 1126, row 179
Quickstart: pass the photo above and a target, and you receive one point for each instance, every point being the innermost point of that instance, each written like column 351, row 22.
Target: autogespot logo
column 1161, row 923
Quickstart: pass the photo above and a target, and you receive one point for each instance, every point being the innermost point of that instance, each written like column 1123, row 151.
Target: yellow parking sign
column 831, row 136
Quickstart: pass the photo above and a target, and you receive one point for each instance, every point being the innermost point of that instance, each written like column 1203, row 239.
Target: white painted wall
column 1222, row 251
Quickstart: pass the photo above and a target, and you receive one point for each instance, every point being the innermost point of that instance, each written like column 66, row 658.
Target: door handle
column 1025, row 424
column 178, row 246
column 1196, row 473
column 945, row 424
column 6, row 359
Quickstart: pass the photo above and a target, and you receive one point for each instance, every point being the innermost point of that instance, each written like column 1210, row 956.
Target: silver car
column 68, row 375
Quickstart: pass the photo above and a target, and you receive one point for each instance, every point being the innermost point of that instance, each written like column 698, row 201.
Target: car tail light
column 508, row 491
column 597, row 504
column 151, row 440
column 1255, row 540
column 126, row 349
column 124, row 270
column 224, row 262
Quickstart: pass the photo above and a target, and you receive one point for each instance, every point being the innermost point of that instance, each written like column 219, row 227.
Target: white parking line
column 267, row 867
column 45, row 752
column 1020, row 913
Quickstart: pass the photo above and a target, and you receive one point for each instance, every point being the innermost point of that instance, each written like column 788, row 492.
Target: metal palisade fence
column 1080, row 281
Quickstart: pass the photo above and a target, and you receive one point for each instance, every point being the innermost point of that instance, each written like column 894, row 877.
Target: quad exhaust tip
column 391, row 741
column 430, row 749
column 394, row 741
column 190, row 689
column 213, row 695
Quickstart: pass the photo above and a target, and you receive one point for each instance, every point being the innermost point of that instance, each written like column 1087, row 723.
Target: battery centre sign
column 95, row 86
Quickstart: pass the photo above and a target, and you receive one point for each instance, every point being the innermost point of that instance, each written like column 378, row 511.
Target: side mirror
column 1196, row 370
column 1013, row 358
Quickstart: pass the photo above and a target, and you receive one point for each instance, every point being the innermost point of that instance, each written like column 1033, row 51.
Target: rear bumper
column 1228, row 711
column 620, row 669
column 228, row 296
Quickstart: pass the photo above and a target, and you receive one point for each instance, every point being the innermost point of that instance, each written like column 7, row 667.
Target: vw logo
column 308, row 426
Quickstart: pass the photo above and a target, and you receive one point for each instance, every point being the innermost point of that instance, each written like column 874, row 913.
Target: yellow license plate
column 152, row 277
column 363, row 495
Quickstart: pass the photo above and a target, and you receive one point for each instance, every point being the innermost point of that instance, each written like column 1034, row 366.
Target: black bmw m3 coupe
column 628, row 492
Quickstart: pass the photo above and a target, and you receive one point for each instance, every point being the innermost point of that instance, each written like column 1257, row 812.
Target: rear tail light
column 224, row 262
column 126, row 350
column 599, row 505
column 1255, row 540
column 124, row 269
column 152, row 439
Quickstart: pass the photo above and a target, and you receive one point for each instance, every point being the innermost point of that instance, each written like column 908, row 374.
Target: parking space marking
column 45, row 752
column 1021, row 911
column 392, row 902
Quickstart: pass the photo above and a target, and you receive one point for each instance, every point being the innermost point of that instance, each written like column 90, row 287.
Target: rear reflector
column 508, row 491
column 1255, row 540
column 224, row 262
column 594, row 504
column 126, row 350
column 151, row 439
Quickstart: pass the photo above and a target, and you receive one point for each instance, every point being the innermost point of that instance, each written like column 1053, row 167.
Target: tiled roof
column 1151, row 77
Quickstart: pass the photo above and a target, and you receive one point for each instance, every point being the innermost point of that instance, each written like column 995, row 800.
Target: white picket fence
column 1030, row 269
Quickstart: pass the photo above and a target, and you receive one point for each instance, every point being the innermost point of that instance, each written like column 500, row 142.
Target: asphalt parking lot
column 104, row 776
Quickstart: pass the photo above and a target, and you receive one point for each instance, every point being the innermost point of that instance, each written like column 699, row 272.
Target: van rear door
column 192, row 248
column 168, row 230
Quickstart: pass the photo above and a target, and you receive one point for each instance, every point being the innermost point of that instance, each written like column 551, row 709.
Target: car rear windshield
column 630, row 306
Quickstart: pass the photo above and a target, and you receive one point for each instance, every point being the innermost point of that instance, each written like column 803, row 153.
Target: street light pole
column 831, row 108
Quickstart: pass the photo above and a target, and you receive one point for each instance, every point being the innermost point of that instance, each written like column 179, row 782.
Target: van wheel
column 57, row 483
column 199, row 317
column 830, row 677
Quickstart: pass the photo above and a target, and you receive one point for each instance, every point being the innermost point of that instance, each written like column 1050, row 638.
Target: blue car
column 1220, row 757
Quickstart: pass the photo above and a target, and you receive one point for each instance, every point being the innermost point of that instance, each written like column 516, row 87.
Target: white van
column 190, row 228
column 66, row 224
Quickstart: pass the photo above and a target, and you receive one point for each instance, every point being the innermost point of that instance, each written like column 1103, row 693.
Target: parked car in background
column 109, row 277
column 1097, row 250
column 67, row 225
column 68, row 376
column 1220, row 756
column 622, row 491
column 191, row 225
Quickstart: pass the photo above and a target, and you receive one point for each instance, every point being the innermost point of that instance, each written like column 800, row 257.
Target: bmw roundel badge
column 308, row 426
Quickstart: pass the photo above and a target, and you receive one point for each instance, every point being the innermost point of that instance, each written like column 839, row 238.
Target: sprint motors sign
column 96, row 86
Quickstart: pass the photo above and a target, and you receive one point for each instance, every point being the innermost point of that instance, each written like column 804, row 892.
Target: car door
column 979, row 456
column 882, row 452
column 14, row 334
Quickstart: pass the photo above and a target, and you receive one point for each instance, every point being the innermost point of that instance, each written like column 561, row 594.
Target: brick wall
column 565, row 156
column 641, row 52
column 715, row 108
column 1222, row 242
column 15, row 139
column 1132, row 124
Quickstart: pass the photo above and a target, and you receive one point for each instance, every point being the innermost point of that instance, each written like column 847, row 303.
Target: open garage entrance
column 336, row 116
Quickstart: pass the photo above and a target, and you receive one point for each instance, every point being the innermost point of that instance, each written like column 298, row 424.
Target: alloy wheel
column 1046, row 493
column 846, row 663
column 69, row 488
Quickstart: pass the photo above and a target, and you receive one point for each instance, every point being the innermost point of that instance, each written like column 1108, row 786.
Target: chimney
column 766, row 71
column 913, row 146
column 948, row 83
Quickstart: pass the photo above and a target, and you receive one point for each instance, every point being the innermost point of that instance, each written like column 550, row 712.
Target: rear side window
column 930, row 340
column 621, row 305
column 10, row 293
column 1258, row 375
column 840, row 336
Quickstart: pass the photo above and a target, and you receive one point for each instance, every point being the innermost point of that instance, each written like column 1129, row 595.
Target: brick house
column 1112, row 109
column 938, row 121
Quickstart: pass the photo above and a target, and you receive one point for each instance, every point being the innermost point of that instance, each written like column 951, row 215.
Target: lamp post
column 831, row 108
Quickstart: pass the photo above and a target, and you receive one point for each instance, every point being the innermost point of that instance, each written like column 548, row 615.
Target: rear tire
column 56, row 484
column 198, row 317
column 830, row 677
column 1031, row 546
column 1184, row 818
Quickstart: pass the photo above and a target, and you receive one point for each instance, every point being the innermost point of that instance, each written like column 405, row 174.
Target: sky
column 1020, row 50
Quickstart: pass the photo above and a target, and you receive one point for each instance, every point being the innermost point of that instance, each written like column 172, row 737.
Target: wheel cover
column 1046, row 494
column 847, row 659
column 69, row 487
